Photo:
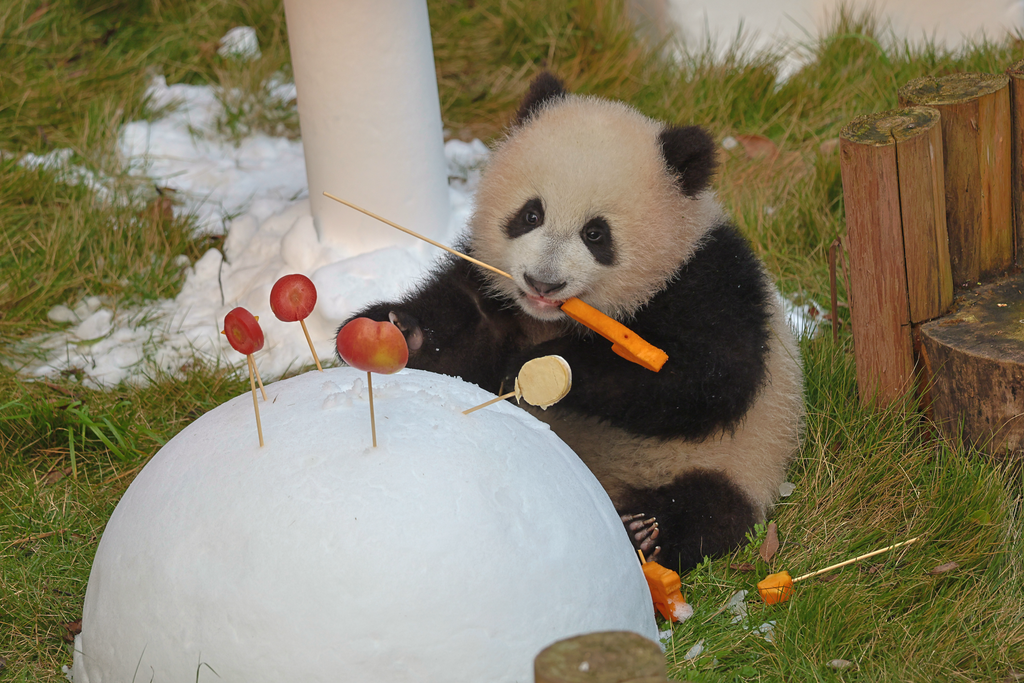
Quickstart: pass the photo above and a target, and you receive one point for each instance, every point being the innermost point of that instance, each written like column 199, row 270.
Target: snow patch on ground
column 215, row 179
column 59, row 163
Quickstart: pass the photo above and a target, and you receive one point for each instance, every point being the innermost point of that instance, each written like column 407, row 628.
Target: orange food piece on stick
column 625, row 342
column 665, row 584
column 776, row 587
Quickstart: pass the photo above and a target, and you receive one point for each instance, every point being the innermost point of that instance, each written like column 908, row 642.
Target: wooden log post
column 974, row 358
column 1016, row 74
column 900, row 274
column 608, row 657
column 975, row 112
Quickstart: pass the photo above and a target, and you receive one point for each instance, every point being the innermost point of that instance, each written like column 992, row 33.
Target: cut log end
column 974, row 360
column 952, row 89
column 608, row 657
column 890, row 127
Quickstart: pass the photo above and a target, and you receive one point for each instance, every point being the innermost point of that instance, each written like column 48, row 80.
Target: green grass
column 864, row 481
column 73, row 72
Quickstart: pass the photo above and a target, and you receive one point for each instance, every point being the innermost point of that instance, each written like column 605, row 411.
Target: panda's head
column 589, row 198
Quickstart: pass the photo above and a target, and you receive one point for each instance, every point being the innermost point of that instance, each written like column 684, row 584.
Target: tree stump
column 892, row 168
column 975, row 112
column 610, row 657
column 974, row 360
column 1016, row 73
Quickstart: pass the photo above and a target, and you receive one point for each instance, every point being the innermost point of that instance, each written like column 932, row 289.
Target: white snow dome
column 454, row 551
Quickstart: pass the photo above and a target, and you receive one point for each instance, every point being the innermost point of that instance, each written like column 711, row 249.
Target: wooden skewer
column 407, row 231
column 833, row 292
column 37, row 537
column 71, row 449
column 856, row 559
column 373, row 424
column 489, row 403
column 258, row 378
column 255, row 401
column 310, row 342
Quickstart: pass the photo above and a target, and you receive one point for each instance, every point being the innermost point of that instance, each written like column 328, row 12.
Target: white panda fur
column 577, row 137
column 626, row 221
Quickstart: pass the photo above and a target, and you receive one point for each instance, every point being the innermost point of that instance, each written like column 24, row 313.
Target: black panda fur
column 586, row 197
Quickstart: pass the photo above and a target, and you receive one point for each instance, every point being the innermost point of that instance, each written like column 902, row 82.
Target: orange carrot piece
column 665, row 584
column 776, row 587
column 625, row 342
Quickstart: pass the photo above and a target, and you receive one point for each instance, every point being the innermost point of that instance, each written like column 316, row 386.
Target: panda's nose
column 543, row 288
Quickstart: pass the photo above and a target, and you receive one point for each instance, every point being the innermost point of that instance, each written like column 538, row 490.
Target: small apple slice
column 245, row 336
column 243, row 332
column 373, row 346
column 292, row 298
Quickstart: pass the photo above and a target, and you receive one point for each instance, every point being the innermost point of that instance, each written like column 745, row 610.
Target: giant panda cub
column 588, row 198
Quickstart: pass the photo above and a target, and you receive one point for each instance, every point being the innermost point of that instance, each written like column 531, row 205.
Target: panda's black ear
column 544, row 88
column 691, row 155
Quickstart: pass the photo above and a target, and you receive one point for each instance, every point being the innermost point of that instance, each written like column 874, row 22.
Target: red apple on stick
column 244, row 334
column 374, row 347
column 293, row 298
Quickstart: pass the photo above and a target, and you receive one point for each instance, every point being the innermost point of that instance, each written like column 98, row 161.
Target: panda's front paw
column 643, row 532
column 410, row 327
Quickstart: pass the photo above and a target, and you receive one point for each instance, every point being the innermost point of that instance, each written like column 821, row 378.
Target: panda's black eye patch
column 597, row 235
column 526, row 219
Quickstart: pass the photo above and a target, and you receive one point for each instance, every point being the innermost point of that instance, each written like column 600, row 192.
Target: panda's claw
column 647, row 536
column 643, row 532
column 638, row 521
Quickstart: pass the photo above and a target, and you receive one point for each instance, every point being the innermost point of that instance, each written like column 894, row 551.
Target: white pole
column 370, row 118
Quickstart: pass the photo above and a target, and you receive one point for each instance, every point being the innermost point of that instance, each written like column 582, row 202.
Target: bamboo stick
column 255, row 400
column 373, row 422
column 258, row 378
column 855, row 559
column 407, row 231
column 489, row 403
column 309, row 341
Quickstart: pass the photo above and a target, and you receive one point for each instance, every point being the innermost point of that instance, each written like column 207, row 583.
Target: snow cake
column 454, row 551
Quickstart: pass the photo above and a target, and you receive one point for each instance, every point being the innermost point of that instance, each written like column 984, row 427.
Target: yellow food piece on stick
column 544, row 381
column 776, row 587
